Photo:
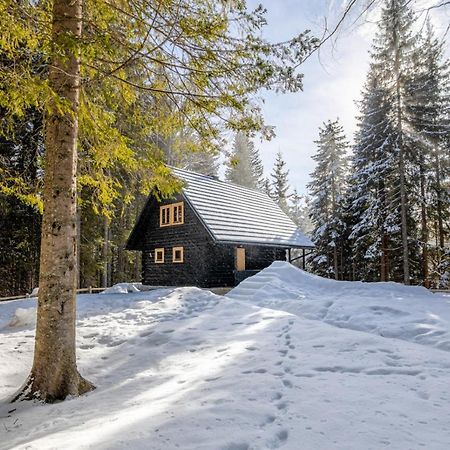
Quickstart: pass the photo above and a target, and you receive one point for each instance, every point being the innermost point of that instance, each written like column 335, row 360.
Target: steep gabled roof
column 236, row 214
column 232, row 214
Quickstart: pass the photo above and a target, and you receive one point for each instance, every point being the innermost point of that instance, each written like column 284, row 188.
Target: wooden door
column 240, row 259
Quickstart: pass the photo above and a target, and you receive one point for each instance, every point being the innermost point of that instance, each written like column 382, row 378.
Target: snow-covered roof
column 236, row 214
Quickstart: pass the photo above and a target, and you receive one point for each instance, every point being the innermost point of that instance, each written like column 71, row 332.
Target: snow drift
column 121, row 288
column 389, row 309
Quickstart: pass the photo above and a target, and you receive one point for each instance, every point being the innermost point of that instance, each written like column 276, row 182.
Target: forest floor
column 285, row 360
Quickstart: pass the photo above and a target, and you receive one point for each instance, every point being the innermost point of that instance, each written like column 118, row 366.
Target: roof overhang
column 264, row 244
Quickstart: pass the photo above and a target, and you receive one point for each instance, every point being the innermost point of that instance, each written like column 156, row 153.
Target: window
column 178, row 213
column 159, row 255
column 171, row 214
column 178, row 254
column 164, row 215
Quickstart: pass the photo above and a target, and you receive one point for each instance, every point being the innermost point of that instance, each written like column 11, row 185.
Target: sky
column 333, row 80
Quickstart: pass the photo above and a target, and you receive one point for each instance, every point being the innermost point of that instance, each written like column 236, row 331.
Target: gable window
column 171, row 214
column 178, row 254
column 178, row 216
column 159, row 255
column 164, row 215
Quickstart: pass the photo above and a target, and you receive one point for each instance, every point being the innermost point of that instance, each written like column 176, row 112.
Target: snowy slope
column 186, row 369
column 387, row 309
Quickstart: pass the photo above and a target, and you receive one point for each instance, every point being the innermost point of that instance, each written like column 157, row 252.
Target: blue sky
column 332, row 83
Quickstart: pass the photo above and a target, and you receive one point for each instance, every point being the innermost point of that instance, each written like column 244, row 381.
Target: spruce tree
column 373, row 213
column 428, row 129
column 244, row 164
column 394, row 59
column 266, row 187
column 280, row 185
column 327, row 190
column 299, row 212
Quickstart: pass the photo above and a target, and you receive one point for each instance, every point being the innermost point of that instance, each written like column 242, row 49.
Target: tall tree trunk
column 334, row 213
column 105, row 251
column 54, row 374
column 440, row 220
column 402, row 168
column 335, row 263
column 78, row 247
column 383, row 265
column 424, row 226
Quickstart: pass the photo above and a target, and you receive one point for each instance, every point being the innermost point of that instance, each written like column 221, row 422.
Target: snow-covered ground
column 285, row 360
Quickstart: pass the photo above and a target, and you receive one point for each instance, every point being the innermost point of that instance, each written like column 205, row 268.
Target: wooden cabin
column 213, row 234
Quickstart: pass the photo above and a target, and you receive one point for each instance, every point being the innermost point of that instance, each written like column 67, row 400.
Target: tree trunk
column 439, row 202
column 54, row 374
column 105, row 253
column 78, row 248
column 335, row 263
column 385, row 250
column 424, row 226
column 402, row 168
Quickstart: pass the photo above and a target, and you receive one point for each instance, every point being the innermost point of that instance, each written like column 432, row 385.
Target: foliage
column 244, row 165
column 327, row 189
column 280, row 184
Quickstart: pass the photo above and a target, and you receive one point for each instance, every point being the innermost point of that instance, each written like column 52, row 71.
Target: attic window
column 159, row 255
column 178, row 254
column 171, row 214
column 178, row 210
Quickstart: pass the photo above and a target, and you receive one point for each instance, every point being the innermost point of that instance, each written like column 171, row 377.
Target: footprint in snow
column 282, row 406
column 279, row 439
column 236, row 446
column 212, row 379
column 86, row 347
column 268, row 420
column 277, row 396
column 251, row 348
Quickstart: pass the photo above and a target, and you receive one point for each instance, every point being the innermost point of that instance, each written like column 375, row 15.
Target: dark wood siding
column 191, row 235
column 222, row 261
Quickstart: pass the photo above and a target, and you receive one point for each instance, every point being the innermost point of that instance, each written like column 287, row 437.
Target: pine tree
column 205, row 163
column 266, row 187
column 299, row 212
column 280, row 184
column 373, row 213
column 327, row 190
column 245, row 165
column 393, row 58
column 20, row 218
column 427, row 131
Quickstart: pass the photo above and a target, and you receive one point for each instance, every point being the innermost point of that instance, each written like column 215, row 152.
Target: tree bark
column 105, row 253
column 441, row 234
column 384, row 259
column 402, row 168
column 424, row 227
column 54, row 374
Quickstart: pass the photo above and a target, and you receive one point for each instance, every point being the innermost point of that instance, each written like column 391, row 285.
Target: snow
column 387, row 309
column 23, row 317
column 121, row 288
column 286, row 360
